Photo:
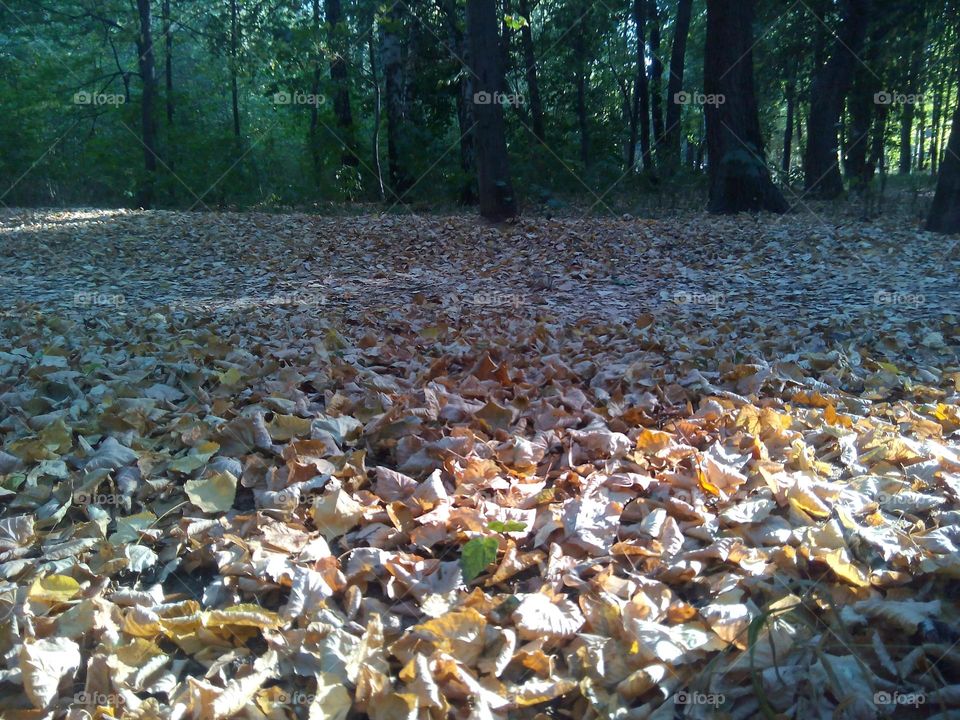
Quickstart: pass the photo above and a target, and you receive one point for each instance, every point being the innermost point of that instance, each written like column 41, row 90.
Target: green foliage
column 477, row 555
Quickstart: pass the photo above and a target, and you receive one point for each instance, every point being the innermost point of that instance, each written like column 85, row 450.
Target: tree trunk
column 938, row 108
column 375, row 140
column 640, row 122
column 148, row 126
column 497, row 201
column 168, row 60
column 788, row 130
column 341, row 83
column 906, row 139
column 739, row 178
column 530, row 68
column 675, row 83
column 945, row 212
column 877, row 160
column 921, row 134
column 828, row 90
column 392, row 56
column 505, row 39
column 656, row 75
column 908, row 109
column 234, row 46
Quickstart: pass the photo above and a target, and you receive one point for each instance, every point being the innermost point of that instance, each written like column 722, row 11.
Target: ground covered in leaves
column 278, row 466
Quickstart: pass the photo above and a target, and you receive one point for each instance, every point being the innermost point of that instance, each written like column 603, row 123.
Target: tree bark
column 505, row 38
column 938, row 114
column 392, row 58
column 640, row 119
column 375, row 139
column 675, row 83
column 530, row 69
column 828, row 90
column 788, row 130
column 497, row 201
column 341, row 83
column 739, row 178
column 945, row 212
column 148, row 126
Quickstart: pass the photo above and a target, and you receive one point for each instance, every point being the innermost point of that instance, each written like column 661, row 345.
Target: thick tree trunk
column 640, row 121
column 675, row 83
column 341, row 84
column 506, row 35
column 497, row 201
column 945, row 212
column 148, row 126
column 392, row 57
column 739, row 178
column 656, row 75
column 530, row 70
column 829, row 88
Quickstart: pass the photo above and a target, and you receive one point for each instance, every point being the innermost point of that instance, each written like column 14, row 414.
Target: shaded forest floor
column 291, row 466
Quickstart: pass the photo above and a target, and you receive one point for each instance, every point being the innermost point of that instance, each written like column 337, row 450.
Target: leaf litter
column 294, row 467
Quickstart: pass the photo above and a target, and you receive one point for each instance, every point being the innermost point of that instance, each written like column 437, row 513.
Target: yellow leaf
column 839, row 561
column 215, row 493
column 247, row 614
column 287, row 427
column 230, row 377
column 54, row 589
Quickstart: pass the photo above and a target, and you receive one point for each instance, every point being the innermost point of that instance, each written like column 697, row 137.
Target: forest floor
column 276, row 466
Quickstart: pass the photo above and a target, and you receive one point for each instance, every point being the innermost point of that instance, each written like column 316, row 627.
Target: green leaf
column 515, row 22
column 477, row 555
column 508, row 526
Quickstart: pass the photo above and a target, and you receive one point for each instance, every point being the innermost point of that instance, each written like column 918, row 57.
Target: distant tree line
column 207, row 103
